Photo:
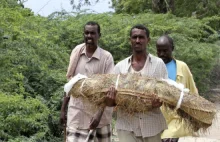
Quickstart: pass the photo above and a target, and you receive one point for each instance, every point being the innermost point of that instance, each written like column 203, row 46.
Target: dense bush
column 22, row 117
column 34, row 54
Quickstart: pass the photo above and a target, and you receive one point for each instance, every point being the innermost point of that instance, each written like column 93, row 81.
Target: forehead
column 136, row 31
column 91, row 28
column 163, row 43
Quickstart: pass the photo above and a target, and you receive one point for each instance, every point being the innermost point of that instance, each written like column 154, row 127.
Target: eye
column 141, row 37
column 92, row 33
column 134, row 37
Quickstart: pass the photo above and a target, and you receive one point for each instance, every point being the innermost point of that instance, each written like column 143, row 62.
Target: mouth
column 162, row 58
column 165, row 60
column 138, row 45
column 89, row 40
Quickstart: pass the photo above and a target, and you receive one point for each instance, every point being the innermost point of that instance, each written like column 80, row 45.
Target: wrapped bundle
column 135, row 92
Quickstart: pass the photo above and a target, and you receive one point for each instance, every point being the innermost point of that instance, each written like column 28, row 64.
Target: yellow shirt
column 176, row 127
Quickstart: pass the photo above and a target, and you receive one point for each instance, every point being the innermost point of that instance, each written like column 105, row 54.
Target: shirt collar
column 96, row 54
column 178, row 68
column 149, row 56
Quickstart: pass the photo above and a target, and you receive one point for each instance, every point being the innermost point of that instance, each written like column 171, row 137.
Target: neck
column 90, row 50
column 169, row 61
column 140, row 56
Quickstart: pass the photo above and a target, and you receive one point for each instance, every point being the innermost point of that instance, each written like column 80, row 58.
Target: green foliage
column 34, row 54
column 192, row 37
column 198, row 8
column 180, row 8
column 186, row 8
column 131, row 7
column 33, row 64
column 19, row 116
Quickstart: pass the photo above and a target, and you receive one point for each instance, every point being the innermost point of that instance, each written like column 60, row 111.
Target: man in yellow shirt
column 179, row 72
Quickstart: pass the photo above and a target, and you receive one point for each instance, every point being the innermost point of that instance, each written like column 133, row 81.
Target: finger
column 108, row 94
column 92, row 119
column 111, row 89
column 91, row 126
column 111, row 93
column 114, row 92
column 112, row 86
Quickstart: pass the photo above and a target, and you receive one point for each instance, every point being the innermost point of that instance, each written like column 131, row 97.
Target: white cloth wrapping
column 68, row 86
column 179, row 86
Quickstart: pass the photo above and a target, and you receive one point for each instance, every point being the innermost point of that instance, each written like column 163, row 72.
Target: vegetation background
column 34, row 54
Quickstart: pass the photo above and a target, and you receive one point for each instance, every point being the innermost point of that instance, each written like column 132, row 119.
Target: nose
column 137, row 39
column 89, row 35
column 161, row 54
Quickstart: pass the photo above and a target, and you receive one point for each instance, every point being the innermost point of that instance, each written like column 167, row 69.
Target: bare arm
column 97, row 117
column 109, row 101
column 63, row 117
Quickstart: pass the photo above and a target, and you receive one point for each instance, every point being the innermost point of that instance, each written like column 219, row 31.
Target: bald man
column 179, row 72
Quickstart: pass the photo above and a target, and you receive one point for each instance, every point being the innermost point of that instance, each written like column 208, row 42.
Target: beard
column 166, row 60
column 138, row 48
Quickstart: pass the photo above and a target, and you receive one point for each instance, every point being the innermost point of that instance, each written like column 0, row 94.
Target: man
column 141, row 127
column 87, row 59
column 179, row 72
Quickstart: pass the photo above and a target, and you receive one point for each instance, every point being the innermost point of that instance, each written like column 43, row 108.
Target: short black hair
column 142, row 27
column 170, row 40
column 93, row 24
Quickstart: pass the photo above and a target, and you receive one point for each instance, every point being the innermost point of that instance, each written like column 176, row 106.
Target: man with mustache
column 141, row 127
column 87, row 59
column 179, row 72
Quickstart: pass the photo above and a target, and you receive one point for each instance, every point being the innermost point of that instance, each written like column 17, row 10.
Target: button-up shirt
column 143, row 124
column 80, row 111
column 176, row 130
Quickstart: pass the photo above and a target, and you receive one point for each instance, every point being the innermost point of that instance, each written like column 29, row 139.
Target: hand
column 63, row 118
column 156, row 102
column 96, row 119
column 110, row 97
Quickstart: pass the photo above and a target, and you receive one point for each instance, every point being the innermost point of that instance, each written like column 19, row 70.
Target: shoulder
column 181, row 64
column 78, row 47
column 183, row 67
column 122, row 66
column 105, row 52
column 123, row 62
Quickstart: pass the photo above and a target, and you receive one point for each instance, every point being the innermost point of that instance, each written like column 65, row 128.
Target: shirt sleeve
column 117, row 69
column 190, row 81
column 71, row 60
column 163, row 73
column 109, row 69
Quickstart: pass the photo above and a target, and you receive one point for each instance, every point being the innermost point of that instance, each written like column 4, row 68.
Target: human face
column 164, row 51
column 139, row 40
column 91, row 35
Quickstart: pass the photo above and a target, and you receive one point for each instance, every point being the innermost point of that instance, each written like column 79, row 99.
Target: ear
column 129, row 39
column 172, row 48
column 148, row 39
